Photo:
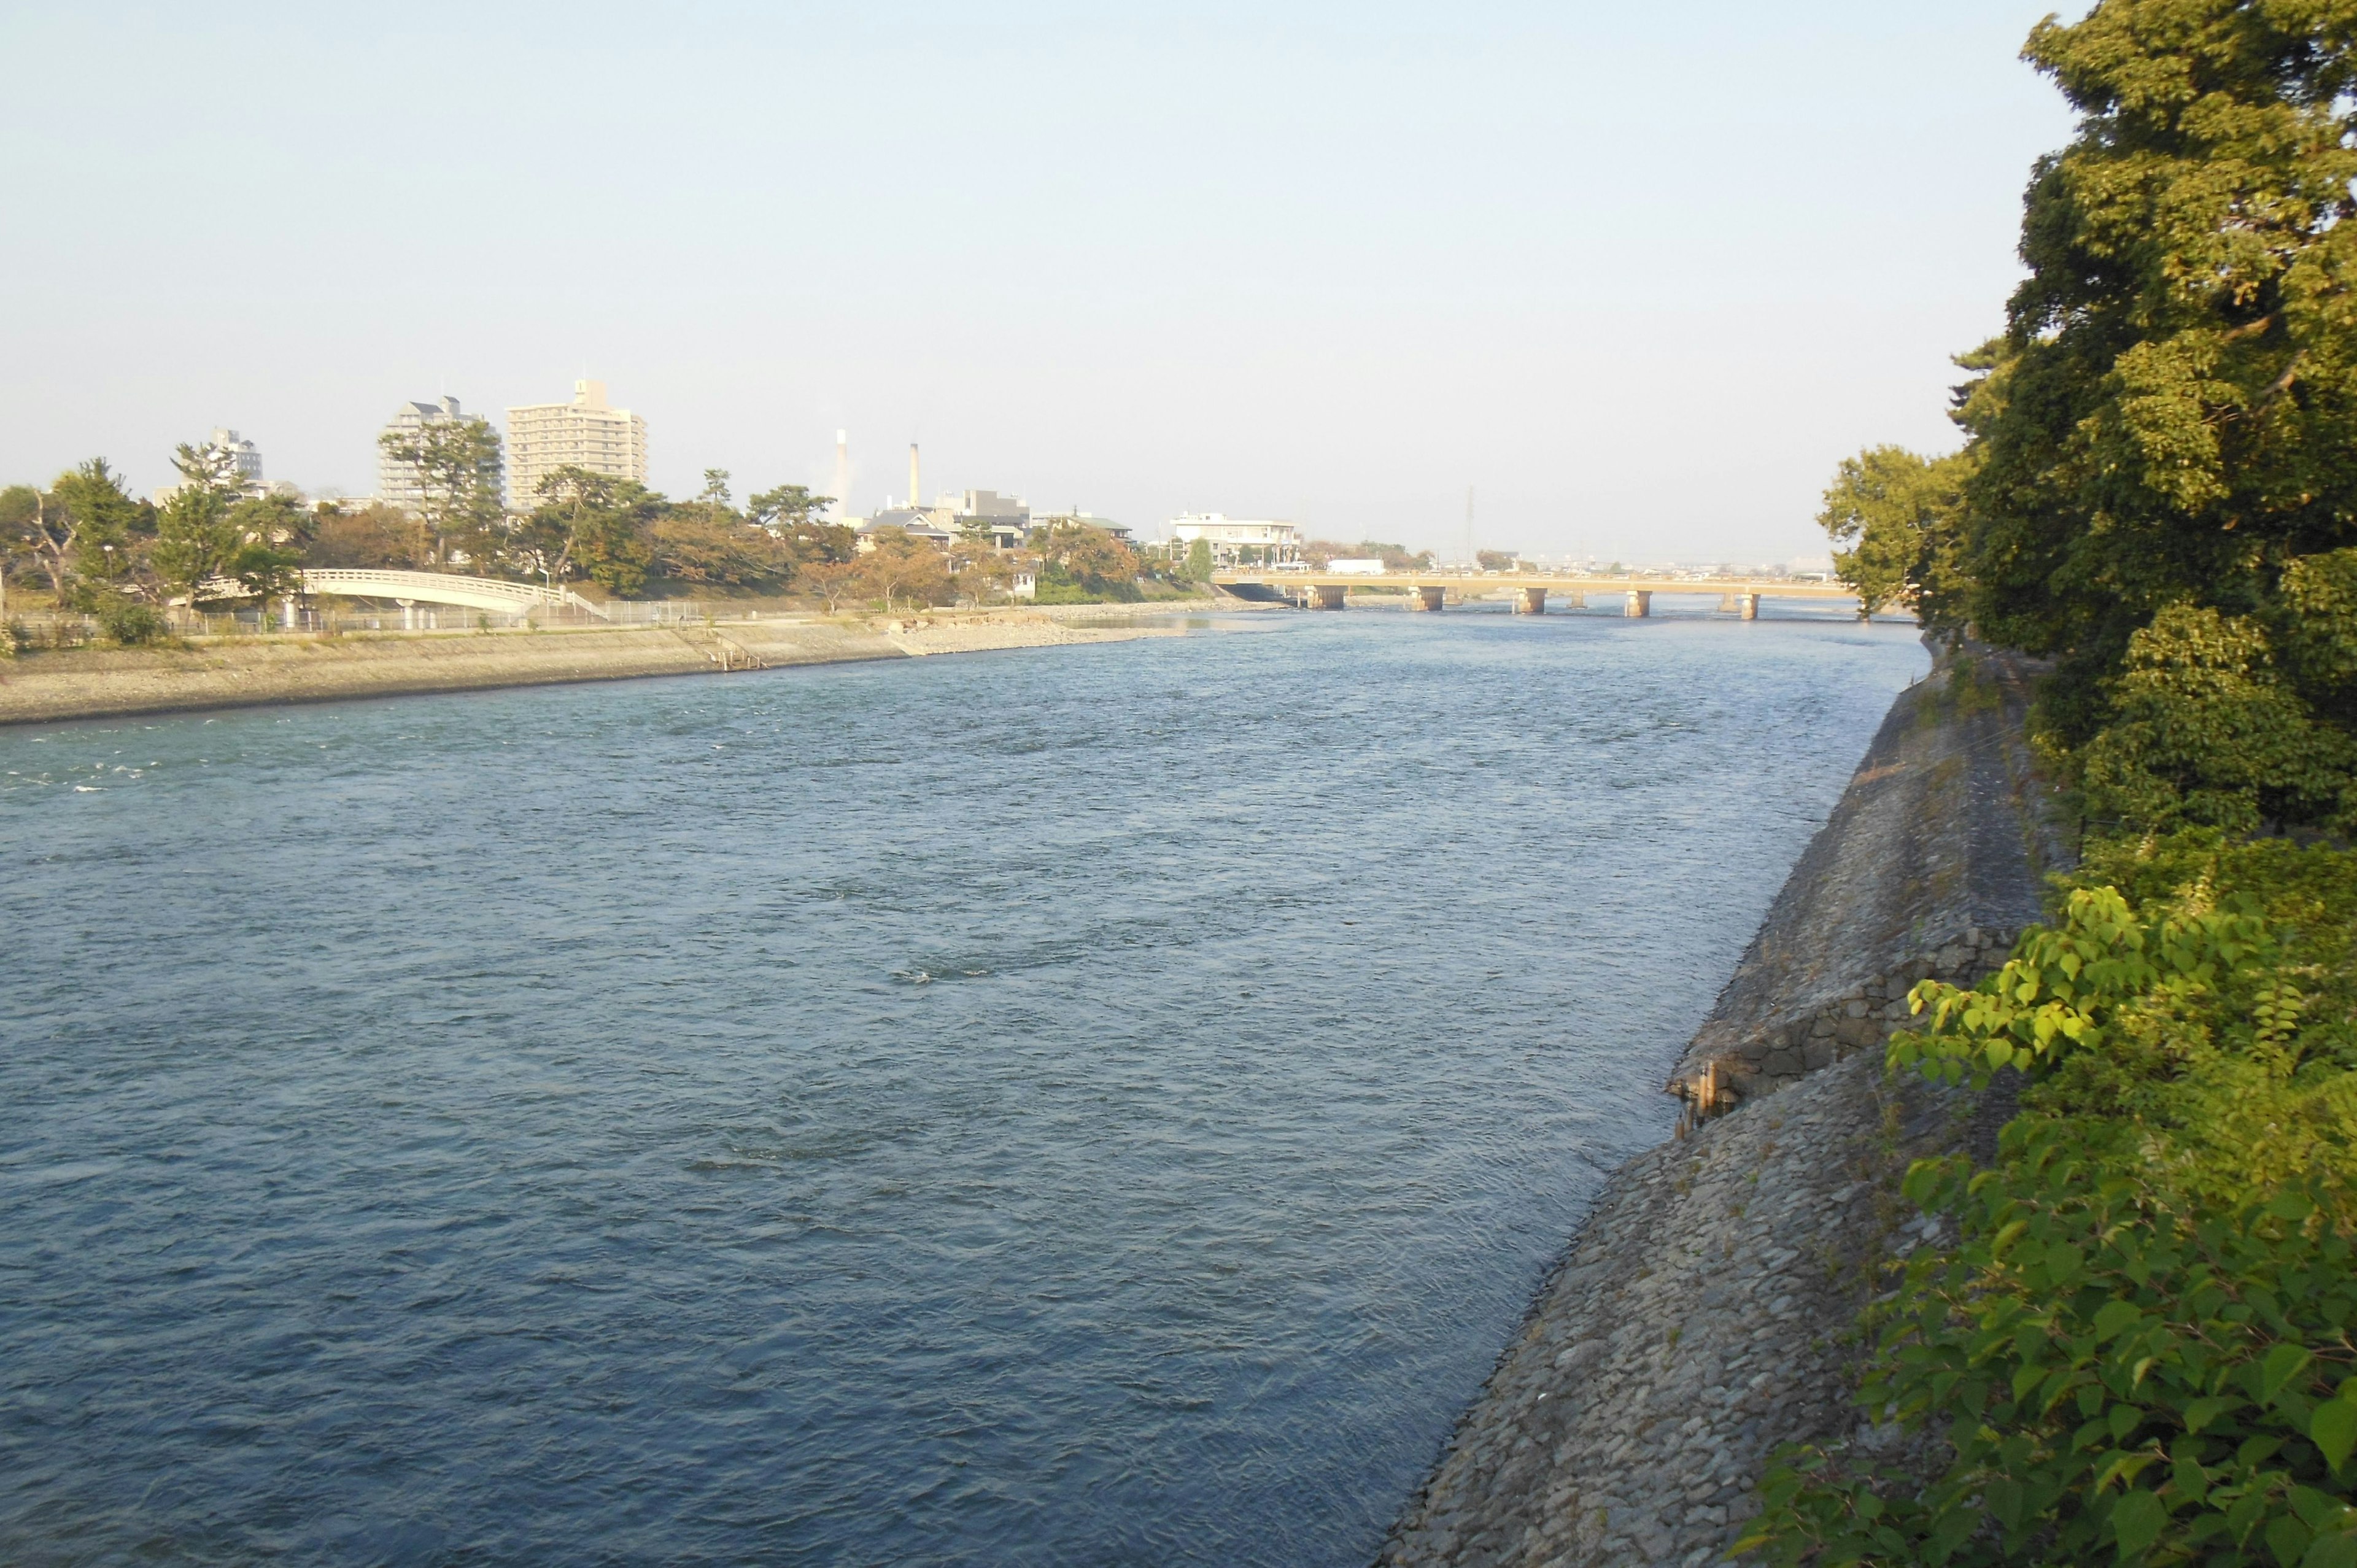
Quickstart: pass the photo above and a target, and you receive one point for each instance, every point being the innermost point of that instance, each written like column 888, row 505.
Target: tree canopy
column 2159, row 479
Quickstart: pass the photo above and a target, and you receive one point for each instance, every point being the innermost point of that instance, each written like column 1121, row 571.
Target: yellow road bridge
column 1313, row 590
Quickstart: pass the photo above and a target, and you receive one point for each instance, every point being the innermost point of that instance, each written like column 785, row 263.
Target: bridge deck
column 1554, row 583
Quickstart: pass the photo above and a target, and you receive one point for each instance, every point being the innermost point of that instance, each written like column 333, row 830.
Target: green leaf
column 2202, row 1411
column 2287, row 1539
column 2330, row 1552
column 2116, row 1318
column 2137, row 1519
column 2280, row 1366
column 2333, row 1430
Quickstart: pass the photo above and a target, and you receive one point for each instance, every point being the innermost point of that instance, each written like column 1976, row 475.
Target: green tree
column 108, row 526
column 1087, row 561
column 786, row 508
column 194, row 535
column 194, row 539
column 2171, row 416
column 1901, row 516
column 456, row 465
column 1199, row 561
column 595, row 523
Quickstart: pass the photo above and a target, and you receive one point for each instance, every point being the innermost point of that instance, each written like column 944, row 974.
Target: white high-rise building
column 396, row 482
column 583, row 433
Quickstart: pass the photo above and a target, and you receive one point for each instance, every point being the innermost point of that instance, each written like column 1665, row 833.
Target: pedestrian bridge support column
column 1641, row 602
column 1529, row 601
column 1425, row 598
column 1746, row 607
column 1324, row 596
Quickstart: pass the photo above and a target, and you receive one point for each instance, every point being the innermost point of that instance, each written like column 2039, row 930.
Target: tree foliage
column 1901, row 517
column 457, row 466
column 2141, row 1348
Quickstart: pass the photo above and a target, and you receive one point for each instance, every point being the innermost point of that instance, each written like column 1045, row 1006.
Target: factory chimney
column 914, row 504
column 842, row 475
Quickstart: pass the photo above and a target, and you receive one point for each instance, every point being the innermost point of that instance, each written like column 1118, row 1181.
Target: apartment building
column 586, row 433
column 398, row 483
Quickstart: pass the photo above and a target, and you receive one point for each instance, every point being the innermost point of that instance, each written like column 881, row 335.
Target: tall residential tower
column 398, row 482
column 583, row 433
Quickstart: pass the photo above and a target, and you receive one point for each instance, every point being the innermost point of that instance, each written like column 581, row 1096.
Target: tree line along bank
column 2137, row 1347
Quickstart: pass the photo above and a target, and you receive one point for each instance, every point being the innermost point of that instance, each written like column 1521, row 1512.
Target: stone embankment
column 1701, row 1317
column 234, row 673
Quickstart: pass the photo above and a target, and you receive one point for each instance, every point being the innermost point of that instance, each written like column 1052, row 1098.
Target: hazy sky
column 1638, row 274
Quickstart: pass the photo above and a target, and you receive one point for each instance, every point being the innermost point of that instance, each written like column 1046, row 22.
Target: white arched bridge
column 410, row 588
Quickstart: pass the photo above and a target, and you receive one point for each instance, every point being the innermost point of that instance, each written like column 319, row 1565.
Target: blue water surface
column 1091, row 1105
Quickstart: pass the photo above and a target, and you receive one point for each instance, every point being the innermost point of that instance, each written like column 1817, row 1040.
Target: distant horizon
column 1334, row 265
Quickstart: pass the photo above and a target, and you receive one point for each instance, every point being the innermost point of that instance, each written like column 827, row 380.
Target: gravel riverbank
column 1701, row 1315
column 236, row 672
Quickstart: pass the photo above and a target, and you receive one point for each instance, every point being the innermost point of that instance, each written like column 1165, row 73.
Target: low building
column 1005, row 519
column 1234, row 540
column 917, row 522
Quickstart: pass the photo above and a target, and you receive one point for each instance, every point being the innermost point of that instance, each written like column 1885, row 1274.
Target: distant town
column 562, row 499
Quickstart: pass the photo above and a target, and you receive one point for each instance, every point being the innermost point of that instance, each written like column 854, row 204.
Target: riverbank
column 240, row 671
column 1699, row 1317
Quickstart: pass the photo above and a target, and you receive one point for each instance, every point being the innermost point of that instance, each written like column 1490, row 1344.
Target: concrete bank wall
column 1701, row 1316
column 91, row 683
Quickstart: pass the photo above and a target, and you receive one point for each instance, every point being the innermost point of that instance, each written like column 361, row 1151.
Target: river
column 1105, row 1104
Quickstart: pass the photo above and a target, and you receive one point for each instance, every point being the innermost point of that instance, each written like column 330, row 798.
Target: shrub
column 133, row 624
column 2141, row 1348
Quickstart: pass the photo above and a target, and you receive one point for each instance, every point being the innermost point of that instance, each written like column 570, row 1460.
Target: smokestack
column 842, row 475
column 913, row 491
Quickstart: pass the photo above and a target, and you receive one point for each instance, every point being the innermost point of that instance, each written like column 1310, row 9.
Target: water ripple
column 1100, row 1106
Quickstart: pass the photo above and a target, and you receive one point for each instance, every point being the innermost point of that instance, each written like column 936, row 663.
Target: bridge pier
column 1529, row 601
column 1425, row 598
column 1640, row 603
column 1746, row 607
column 408, row 614
column 1324, row 596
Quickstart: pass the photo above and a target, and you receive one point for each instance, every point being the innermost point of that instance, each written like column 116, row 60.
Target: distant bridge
column 411, row 588
column 1429, row 590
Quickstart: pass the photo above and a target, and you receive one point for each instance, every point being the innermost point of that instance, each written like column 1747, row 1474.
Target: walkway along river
column 1099, row 1105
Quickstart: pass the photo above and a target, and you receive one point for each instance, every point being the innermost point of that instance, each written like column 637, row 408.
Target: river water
column 1097, row 1105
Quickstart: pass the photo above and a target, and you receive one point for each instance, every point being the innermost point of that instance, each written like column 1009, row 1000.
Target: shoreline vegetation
column 242, row 671
column 2039, row 1249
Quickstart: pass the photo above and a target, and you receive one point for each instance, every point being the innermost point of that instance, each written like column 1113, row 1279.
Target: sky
column 1637, row 277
